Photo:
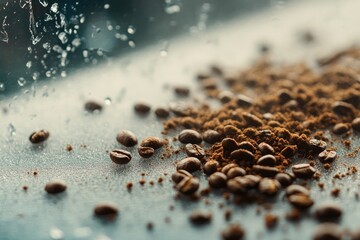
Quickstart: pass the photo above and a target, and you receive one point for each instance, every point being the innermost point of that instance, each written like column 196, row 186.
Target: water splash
column 3, row 34
column 44, row 3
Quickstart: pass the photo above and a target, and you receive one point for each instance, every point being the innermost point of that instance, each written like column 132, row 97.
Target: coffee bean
column 190, row 164
column 217, row 180
column 142, row 108
column 247, row 146
column 326, row 212
column 200, row 217
column 92, row 106
column 327, row 231
column 300, row 201
column 188, row 185
column 233, row 232
column 267, row 160
column 194, row 150
column 39, row 136
column 342, row 108
column 235, row 172
column 284, row 179
column 317, row 145
column 211, row 136
column 190, row 136
column 229, row 145
column 180, row 109
column 265, row 171
column 227, row 167
column 209, row 84
column 327, row 156
column 341, row 128
column 252, row 181
column 252, row 120
column 211, row 166
column 284, row 96
column 153, row 142
column 289, row 151
column 355, row 235
column 180, row 175
column 106, row 210
column 182, row 91
column 162, row 112
column 225, row 96
column 296, row 189
column 266, row 148
column 356, row 124
column 146, row 152
column 269, row 186
column 243, row 101
column 237, row 185
column 242, row 155
column 303, row 170
column 120, row 156
column 127, row 138
column 55, row 186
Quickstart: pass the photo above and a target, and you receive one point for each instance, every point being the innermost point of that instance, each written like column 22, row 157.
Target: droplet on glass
column 131, row 29
column 11, row 130
column 56, row 233
column 108, row 101
column 106, row 6
column 21, row 81
column 54, row 8
column 132, row 44
column 44, row 3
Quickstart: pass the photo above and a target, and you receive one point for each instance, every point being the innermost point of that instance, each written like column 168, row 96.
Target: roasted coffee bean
column 247, row 146
column 342, row 108
column 289, row 151
column 211, row 166
column 146, row 152
column 326, row 212
column 242, row 155
column 190, row 164
column 252, row 120
column 120, row 156
column 39, row 136
column 106, row 210
column 300, row 201
column 243, row 101
column 227, row 167
column 296, row 189
column 182, row 91
column 211, row 136
column 180, row 175
column 341, row 128
column 265, row 171
column 162, row 112
column 284, row 179
column 188, row 185
column 303, row 170
column 252, row 181
column 229, row 145
column 153, row 142
column 237, row 185
column 327, row 231
column 180, row 109
column 327, row 156
column 267, row 160
column 317, row 145
column 233, row 232
column 225, row 96
column 284, row 96
column 356, row 124
column 194, row 150
column 127, row 138
column 142, row 108
column 217, row 180
column 269, row 186
column 200, row 217
column 266, row 148
column 190, row 136
column 235, row 172
column 92, row 106
column 55, row 186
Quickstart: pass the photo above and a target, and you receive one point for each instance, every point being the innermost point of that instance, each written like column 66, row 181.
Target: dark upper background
column 103, row 31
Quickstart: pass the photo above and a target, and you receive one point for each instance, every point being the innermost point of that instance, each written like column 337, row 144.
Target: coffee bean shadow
column 118, row 169
column 107, row 221
column 38, row 147
column 56, row 198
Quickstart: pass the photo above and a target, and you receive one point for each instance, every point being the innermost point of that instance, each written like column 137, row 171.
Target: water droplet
column 63, row 38
column 132, row 44
column 63, row 74
column 29, row 64
column 2, row 87
column 76, row 42
column 21, row 81
column 11, row 130
column 85, row 53
column 106, row 6
column 108, row 101
column 35, row 76
column 56, row 233
column 23, row 3
column 3, row 34
column 171, row 9
column 131, row 29
column 82, row 19
column 44, row 3
column 54, row 8
column 163, row 53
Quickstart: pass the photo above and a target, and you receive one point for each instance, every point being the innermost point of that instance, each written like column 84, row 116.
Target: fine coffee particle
column 228, row 214
column 190, row 136
column 328, row 212
column 106, row 210
column 120, row 156
column 327, row 156
column 142, row 108
column 39, row 136
column 303, row 170
column 55, row 186
column 217, row 180
column 200, row 217
column 194, row 150
column 190, row 164
column 289, row 151
column 188, row 185
column 127, row 138
column 271, row 220
column 69, row 147
column 146, row 152
column 212, row 136
column 327, row 231
column 153, row 142
column 233, row 232
column 92, row 106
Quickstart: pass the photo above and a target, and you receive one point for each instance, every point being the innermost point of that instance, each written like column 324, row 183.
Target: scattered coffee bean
column 284, row 96
column 180, row 175
column 238, row 185
column 199, row 217
column 300, row 201
column 289, row 151
column 55, row 186
column 146, row 152
column 296, row 189
column 108, row 211
column 211, row 136
column 342, row 108
column 252, row 120
column 327, row 231
column 271, row 220
column 190, row 136
column 211, row 166
column 266, row 148
column 267, row 160
column 265, row 171
column 217, row 180
column 341, row 128
column 194, row 150
column 120, row 156
column 182, row 91
column 188, row 185
column 284, row 179
column 242, row 156
column 150, row 226
column 235, row 172
column 326, row 212
column 233, row 232
column 127, row 138
column 269, row 186
column 162, row 112
column 225, row 96
column 303, row 170
column 252, row 181
column 247, row 146
column 356, row 124
column 142, row 108
column 39, row 136
column 153, row 142
column 190, row 164
column 327, row 156
column 243, row 101
column 229, row 145
column 317, row 145
column 227, row 167
column 92, row 106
